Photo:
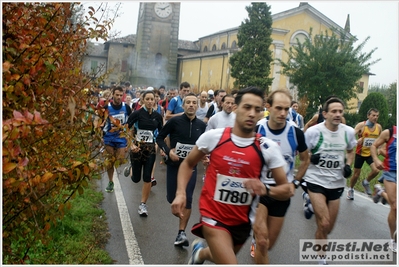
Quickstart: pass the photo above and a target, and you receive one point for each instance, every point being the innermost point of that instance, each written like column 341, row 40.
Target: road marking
column 133, row 250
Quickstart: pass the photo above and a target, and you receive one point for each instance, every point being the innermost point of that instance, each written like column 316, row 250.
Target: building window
column 124, row 66
column 234, row 44
column 94, row 65
column 223, row 46
column 300, row 36
column 158, row 59
column 214, row 48
column 361, row 87
column 205, row 49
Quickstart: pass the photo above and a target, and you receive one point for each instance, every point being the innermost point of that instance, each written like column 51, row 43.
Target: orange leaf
column 86, row 170
column 8, row 182
column 47, row 226
column 9, row 166
column 92, row 165
column 26, row 80
column 47, row 176
column 15, row 77
column 38, row 131
column 6, row 66
column 75, row 164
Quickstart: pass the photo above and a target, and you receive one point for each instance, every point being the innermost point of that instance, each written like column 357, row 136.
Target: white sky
column 377, row 19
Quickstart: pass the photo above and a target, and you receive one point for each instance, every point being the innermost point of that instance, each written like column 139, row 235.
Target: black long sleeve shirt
column 180, row 129
column 143, row 120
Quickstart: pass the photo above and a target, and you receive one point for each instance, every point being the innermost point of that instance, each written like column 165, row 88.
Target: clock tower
column 156, row 44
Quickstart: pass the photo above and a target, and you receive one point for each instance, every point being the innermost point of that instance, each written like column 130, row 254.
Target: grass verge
column 80, row 237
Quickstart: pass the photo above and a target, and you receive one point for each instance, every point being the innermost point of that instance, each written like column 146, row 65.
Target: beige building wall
column 211, row 70
column 354, row 104
column 192, row 73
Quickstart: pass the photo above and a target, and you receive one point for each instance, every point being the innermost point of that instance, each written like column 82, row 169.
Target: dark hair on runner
column 189, row 94
column 156, row 92
column 117, row 88
column 185, row 85
column 148, row 92
column 217, row 92
column 332, row 100
column 372, row 110
column 228, row 95
column 249, row 90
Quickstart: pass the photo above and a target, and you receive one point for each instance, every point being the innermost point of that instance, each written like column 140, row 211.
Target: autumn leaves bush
column 48, row 156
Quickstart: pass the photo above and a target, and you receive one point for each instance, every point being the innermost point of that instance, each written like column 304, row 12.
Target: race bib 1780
column 230, row 190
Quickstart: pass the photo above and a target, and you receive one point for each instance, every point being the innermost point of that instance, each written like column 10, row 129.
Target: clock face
column 163, row 10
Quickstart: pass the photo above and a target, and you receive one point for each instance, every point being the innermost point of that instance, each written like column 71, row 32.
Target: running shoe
column 350, row 195
column 377, row 193
column 307, row 206
column 126, row 171
column 153, row 182
column 196, row 247
column 181, row 240
column 143, row 210
column 253, row 248
column 393, row 246
column 366, row 186
column 110, row 187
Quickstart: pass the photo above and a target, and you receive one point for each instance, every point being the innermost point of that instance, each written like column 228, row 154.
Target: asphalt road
column 149, row 240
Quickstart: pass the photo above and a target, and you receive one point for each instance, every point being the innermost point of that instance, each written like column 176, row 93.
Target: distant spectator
column 216, row 104
column 129, row 89
column 162, row 92
column 104, row 98
column 169, row 95
column 137, row 96
column 234, row 92
column 128, row 100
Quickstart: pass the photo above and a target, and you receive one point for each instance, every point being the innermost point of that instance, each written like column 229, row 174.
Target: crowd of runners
column 256, row 152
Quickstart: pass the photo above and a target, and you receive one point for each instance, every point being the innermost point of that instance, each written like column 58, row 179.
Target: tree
column 326, row 65
column 390, row 93
column 47, row 157
column 251, row 65
column 378, row 101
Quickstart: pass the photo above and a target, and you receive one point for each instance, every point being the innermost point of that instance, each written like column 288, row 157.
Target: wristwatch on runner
column 296, row 183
